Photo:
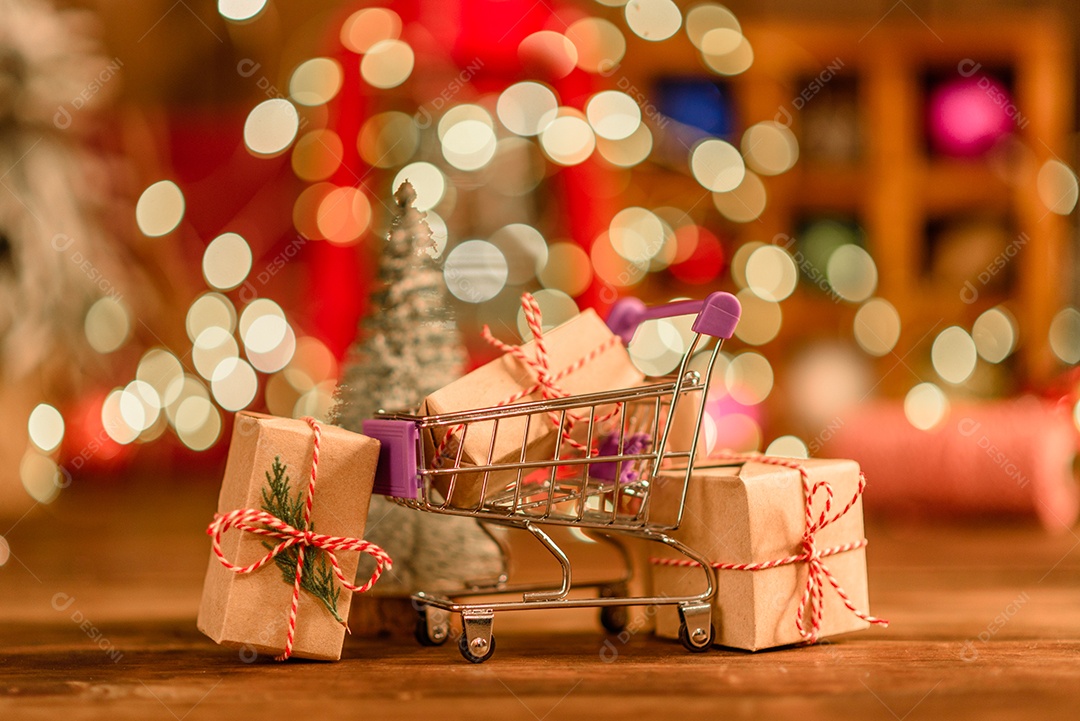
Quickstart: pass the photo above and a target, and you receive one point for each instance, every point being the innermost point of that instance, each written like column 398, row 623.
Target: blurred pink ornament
column 967, row 117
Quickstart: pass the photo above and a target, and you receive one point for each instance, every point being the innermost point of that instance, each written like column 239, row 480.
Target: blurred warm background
column 194, row 195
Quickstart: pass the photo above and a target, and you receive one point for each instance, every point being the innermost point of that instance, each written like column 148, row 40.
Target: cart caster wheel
column 689, row 643
column 426, row 636
column 467, row 652
column 614, row 619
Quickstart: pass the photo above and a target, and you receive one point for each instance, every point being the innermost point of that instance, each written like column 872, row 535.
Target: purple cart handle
column 395, row 474
column 717, row 315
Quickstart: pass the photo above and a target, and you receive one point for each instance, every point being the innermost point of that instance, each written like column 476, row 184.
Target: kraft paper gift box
column 501, row 379
column 753, row 513
column 251, row 610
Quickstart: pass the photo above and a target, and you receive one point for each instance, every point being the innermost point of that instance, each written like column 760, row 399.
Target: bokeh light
column 265, row 334
column 600, row 44
column 852, row 273
column 344, row 215
column 953, row 355
column 771, row 273
column 761, row 319
column 737, row 61
column 40, row 476
column 745, row 203
column 613, row 268
column 653, row 20
column 658, row 346
column 239, row 10
column 1065, row 335
column 140, row 405
column 212, row 346
column 271, row 126
column 717, row 165
column 160, row 209
column 877, row 326
column 226, row 261
column 524, row 249
column 210, row 309
column 317, row 155
column 925, row 406
column 45, row 427
column 262, row 326
column 317, row 402
column 179, row 390
column 613, row 114
column 994, row 334
column 475, row 271
column 277, row 357
column 113, row 419
column 749, row 378
column 739, row 260
column 788, row 447
column 366, row 27
column 428, row 182
column 316, row 81
column 770, row 148
column 706, row 17
column 312, row 365
column 721, row 41
column 198, row 423
column 629, row 151
column 387, row 64
column 548, row 54
column 636, row 234
column 107, row 324
column 469, row 144
column 568, row 269
column 159, row 369
column 568, row 139
column 1057, row 187
column 234, row 384
column 527, row 108
column 388, row 139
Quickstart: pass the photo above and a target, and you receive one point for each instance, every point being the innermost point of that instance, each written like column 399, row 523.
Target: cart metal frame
column 609, row 494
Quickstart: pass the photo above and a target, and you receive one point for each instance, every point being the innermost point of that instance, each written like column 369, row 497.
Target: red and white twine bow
column 818, row 574
column 266, row 524
column 546, row 380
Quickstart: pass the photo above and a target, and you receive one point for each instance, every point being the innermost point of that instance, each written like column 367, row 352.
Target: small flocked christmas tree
column 408, row 347
column 409, row 344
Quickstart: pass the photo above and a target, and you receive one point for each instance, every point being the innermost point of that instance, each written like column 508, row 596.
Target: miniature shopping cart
column 625, row 476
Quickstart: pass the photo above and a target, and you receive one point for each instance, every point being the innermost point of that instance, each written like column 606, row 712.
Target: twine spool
column 1008, row 458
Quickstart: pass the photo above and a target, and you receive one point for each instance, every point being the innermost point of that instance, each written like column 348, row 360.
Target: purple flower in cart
column 609, row 446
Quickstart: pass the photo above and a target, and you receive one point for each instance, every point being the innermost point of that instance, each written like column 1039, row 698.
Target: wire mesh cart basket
column 618, row 468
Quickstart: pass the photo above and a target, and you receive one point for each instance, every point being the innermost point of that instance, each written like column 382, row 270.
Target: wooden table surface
column 99, row 595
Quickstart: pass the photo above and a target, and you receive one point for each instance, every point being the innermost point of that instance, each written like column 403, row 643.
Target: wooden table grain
column 99, row 594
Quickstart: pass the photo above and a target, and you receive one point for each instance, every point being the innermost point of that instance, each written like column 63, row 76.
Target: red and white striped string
column 546, row 381
column 817, row 572
column 263, row 523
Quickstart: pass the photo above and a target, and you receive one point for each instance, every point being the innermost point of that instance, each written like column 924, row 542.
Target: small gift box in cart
column 588, row 460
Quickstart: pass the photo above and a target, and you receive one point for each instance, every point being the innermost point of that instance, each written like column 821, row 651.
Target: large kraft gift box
column 753, row 513
column 585, row 336
column 251, row 610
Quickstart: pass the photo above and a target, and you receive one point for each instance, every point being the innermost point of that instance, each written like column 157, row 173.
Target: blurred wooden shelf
column 894, row 188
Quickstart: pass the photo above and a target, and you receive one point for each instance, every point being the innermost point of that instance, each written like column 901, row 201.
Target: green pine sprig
column 318, row 576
